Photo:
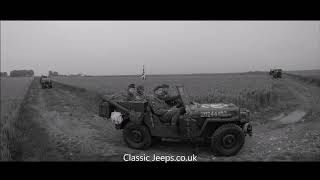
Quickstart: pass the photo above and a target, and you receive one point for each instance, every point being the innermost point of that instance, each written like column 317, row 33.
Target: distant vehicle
column 275, row 73
column 224, row 126
column 45, row 82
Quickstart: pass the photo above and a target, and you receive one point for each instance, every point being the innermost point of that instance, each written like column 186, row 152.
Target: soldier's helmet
column 131, row 86
column 165, row 86
column 158, row 87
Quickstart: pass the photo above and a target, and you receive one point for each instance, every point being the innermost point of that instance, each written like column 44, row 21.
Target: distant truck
column 21, row 73
column 275, row 73
column 45, row 82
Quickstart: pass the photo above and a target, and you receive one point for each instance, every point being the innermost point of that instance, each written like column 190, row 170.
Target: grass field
column 251, row 90
column 307, row 73
column 13, row 91
column 311, row 76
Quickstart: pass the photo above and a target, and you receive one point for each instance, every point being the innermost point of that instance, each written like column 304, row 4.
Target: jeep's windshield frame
column 184, row 95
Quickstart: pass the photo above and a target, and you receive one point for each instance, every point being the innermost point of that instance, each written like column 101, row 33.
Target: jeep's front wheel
column 137, row 136
column 227, row 140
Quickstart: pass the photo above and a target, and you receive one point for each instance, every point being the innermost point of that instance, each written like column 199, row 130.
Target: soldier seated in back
column 131, row 92
column 140, row 93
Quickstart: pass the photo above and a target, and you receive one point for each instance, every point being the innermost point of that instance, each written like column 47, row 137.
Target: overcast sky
column 164, row 47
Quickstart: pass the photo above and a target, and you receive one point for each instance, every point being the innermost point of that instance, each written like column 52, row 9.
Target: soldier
column 163, row 110
column 131, row 92
column 171, row 100
column 140, row 93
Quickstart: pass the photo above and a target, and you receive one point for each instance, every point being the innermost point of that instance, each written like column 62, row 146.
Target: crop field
column 13, row 91
column 246, row 89
column 311, row 76
column 307, row 73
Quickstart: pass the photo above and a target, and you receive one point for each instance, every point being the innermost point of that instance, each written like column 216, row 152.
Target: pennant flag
column 143, row 75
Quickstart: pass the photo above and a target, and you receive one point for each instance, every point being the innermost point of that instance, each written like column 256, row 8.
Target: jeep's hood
column 45, row 79
column 212, row 110
column 215, row 106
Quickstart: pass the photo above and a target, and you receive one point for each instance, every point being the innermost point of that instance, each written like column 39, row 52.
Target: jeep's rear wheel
column 227, row 140
column 137, row 136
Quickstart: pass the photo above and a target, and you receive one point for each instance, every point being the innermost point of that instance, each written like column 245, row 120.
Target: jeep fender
column 212, row 124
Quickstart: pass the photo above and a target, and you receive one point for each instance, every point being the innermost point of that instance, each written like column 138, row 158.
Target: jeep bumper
column 247, row 129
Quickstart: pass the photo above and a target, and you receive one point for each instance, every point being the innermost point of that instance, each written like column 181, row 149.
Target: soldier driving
column 162, row 109
column 170, row 100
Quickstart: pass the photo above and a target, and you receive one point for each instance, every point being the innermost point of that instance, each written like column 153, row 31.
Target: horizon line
column 186, row 73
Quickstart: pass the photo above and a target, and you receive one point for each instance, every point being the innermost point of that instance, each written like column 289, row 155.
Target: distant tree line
column 21, row 73
column 29, row 73
column 4, row 74
column 79, row 74
column 54, row 73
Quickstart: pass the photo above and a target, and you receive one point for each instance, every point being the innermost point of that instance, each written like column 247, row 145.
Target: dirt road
column 62, row 124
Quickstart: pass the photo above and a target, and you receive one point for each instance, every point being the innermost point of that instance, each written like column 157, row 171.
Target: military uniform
column 140, row 97
column 131, row 97
column 163, row 110
column 171, row 100
column 140, row 93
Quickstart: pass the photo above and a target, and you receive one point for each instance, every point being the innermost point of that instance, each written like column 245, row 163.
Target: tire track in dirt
column 74, row 128
column 33, row 140
column 67, row 128
column 292, row 141
column 277, row 141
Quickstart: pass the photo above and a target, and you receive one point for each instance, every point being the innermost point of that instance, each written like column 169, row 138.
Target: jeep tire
column 137, row 136
column 227, row 140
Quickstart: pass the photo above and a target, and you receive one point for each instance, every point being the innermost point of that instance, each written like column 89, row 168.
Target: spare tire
column 227, row 140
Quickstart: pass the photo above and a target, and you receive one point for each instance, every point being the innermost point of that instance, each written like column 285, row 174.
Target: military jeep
column 222, row 126
column 45, row 82
column 276, row 73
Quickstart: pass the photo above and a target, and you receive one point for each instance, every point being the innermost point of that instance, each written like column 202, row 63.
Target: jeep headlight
column 245, row 115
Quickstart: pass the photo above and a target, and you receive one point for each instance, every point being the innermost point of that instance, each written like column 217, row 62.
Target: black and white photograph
column 160, row 91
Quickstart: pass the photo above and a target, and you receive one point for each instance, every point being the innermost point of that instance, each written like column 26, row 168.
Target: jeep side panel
column 166, row 131
column 158, row 128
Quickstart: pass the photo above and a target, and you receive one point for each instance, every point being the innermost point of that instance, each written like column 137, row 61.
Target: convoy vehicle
column 45, row 82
